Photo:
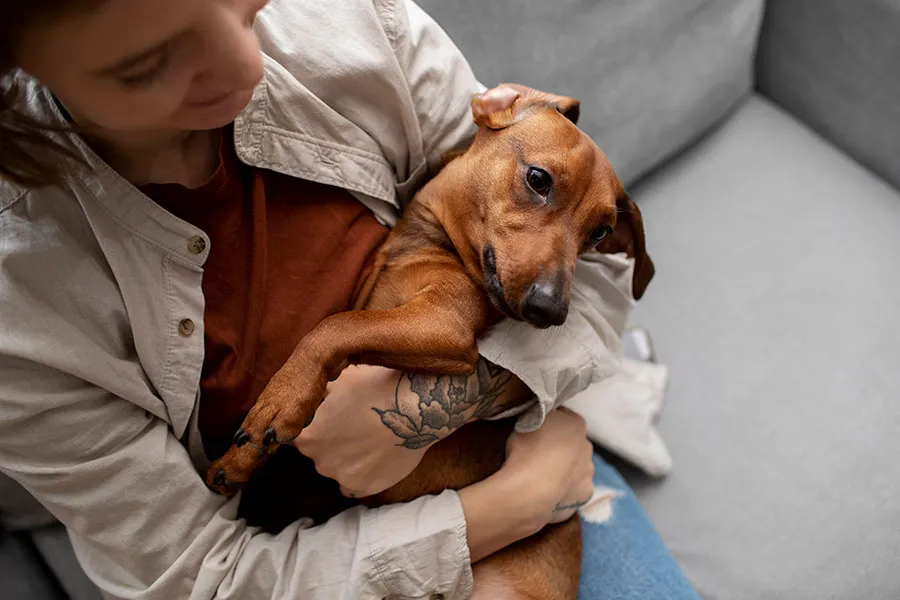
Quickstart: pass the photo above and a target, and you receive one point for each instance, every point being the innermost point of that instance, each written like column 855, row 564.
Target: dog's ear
column 628, row 237
column 509, row 103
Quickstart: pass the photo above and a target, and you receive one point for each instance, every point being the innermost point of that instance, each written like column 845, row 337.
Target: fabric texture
column 102, row 348
column 622, row 555
column 775, row 308
column 652, row 75
column 833, row 64
column 635, row 395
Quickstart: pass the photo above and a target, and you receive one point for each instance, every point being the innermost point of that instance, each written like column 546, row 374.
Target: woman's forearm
column 496, row 515
column 428, row 408
column 510, row 392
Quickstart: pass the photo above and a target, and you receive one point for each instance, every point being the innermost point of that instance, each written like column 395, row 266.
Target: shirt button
column 437, row 597
column 197, row 244
column 186, row 327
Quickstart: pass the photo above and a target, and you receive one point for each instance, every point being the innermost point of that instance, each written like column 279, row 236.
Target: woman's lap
column 623, row 556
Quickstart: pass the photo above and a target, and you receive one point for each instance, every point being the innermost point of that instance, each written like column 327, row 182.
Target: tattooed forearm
column 428, row 408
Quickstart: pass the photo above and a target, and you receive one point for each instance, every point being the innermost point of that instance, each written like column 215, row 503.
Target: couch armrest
column 833, row 64
column 56, row 551
column 35, row 552
column 24, row 575
column 18, row 509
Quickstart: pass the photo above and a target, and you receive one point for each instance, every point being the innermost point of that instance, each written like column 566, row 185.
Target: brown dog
column 496, row 233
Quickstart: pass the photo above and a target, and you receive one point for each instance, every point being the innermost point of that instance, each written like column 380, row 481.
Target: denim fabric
column 624, row 558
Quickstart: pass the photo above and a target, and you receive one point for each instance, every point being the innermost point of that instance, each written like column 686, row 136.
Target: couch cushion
column 776, row 308
column 22, row 574
column 56, row 551
column 651, row 74
column 18, row 509
column 833, row 63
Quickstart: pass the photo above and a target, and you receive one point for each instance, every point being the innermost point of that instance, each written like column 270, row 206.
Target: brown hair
column 28, row 155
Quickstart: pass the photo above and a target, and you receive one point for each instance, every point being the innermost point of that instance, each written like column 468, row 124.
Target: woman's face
column 150, row 65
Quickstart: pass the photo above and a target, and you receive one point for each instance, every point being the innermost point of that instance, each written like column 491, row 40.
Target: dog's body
column 496, row 233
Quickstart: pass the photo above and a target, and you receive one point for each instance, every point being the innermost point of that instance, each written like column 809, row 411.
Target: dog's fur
column 479, row 242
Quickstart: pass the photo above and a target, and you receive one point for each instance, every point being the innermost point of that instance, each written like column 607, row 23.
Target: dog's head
column 542, row 194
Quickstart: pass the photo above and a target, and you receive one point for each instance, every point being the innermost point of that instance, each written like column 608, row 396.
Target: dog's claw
column 219, row 478
column 220, row 484
column 309, row 421
column 241, row 438
column 269, row 437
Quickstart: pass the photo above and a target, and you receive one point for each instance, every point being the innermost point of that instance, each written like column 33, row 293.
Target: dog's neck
column 446, row 207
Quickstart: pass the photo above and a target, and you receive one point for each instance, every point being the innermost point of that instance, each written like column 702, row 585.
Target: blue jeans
column 623, row 557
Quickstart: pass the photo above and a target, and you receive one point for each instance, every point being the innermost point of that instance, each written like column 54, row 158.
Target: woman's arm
column 547, row 474
column 426, row 408
column 376, row 424
column 144, row 525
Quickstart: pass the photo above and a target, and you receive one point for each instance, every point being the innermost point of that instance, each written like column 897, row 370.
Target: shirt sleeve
column 556, row 363
column 441, row 81
column 144, row 525
column 560, row 363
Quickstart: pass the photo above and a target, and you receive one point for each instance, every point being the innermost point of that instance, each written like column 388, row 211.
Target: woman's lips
column 211, row 101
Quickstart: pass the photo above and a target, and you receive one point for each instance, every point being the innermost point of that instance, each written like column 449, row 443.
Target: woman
column 190, row 186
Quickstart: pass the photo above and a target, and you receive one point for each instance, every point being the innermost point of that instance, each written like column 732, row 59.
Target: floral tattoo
column 442, row 404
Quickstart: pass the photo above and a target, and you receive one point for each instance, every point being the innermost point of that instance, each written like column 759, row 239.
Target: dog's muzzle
column 544, row 304
column 492, row 283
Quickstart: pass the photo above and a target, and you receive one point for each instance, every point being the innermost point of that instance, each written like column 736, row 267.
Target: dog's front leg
column 433, row 333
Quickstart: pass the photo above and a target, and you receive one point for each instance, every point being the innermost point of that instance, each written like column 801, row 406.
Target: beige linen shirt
column 101, row 327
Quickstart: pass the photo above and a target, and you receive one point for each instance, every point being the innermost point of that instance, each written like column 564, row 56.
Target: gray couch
column 762, row 142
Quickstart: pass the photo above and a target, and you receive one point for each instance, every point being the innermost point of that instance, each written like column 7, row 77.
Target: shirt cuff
column 553, row 364
column 559, row 362
column 419, row 549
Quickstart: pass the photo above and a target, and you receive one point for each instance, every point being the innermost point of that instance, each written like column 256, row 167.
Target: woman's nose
column 233, row 56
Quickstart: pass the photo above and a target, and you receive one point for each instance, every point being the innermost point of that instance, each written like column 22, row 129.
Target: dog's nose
column 545, row 305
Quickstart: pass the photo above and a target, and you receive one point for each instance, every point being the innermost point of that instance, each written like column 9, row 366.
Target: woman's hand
column 557, row 463
column 376, row 424
column 547, row 476
column 347, row 440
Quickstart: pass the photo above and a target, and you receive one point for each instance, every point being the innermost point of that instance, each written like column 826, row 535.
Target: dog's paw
column 229, row 474
column 277, row 418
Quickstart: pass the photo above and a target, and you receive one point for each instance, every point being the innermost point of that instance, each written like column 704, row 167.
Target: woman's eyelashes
column 147, row 76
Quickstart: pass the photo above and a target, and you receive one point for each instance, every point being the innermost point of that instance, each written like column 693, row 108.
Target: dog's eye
column 599, row 233
column 539, row 180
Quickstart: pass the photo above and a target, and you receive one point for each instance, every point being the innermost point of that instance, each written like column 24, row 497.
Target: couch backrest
column 835, row 64
column 652, row 75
